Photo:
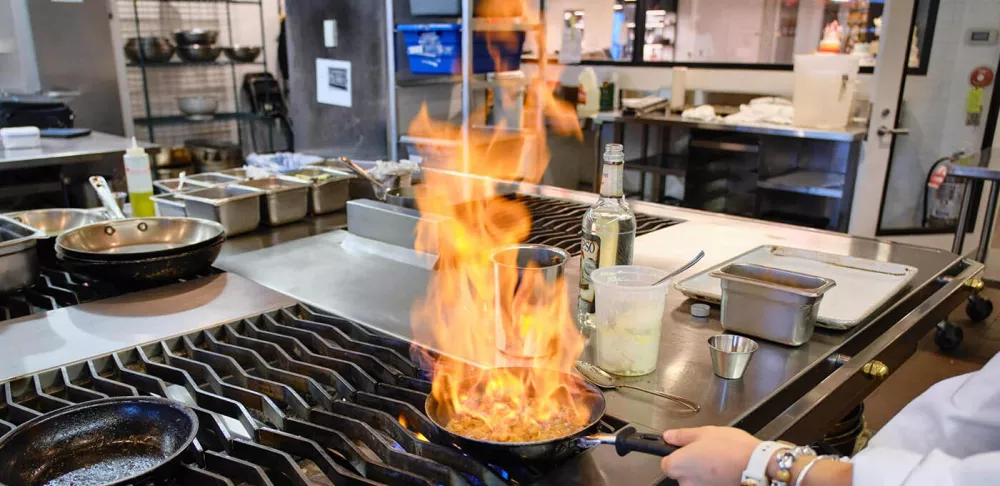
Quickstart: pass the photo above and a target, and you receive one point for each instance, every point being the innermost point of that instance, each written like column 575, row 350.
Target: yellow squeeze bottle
column 140, row 181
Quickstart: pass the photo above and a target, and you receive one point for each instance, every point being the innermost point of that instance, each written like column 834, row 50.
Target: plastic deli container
column 628, row 318
column 437, row 49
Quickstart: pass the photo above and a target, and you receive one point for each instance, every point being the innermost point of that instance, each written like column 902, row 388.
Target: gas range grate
column 57, row 288
column 557, row 222
column 288, row 397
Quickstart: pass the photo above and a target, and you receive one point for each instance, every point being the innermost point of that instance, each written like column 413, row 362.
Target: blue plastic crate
column 437, row 49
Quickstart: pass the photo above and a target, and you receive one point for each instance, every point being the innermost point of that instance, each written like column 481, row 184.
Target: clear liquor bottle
column 608, row 231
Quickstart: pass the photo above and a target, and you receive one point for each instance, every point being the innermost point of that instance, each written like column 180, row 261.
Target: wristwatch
column 756, row 472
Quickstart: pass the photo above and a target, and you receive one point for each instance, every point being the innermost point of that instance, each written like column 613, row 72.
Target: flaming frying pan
column 625, row 441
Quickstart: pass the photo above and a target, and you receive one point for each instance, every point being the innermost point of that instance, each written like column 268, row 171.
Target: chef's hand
column 708, row 456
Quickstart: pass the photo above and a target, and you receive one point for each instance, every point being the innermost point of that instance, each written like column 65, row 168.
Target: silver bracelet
column 802, row 475
column 786, row 460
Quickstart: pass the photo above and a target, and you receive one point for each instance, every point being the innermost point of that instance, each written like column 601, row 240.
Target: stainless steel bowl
column 199, row 52
column 155, row 49
column 198, row 107
column 241, row 53
column 195, row 36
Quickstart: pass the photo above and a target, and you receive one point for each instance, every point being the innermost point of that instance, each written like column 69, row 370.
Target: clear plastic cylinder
column 628, row 318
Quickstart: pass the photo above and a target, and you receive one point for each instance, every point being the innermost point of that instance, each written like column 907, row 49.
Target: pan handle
column 629, row 440
column 104, row 194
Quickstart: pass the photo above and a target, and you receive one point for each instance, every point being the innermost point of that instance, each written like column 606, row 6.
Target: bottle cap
column 700, row 310
column 135, row 149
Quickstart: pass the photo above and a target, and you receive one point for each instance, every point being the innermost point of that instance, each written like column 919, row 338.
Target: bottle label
column 589, row 261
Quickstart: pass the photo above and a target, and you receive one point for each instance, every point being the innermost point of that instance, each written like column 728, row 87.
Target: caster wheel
column 978, row 308
column 947, row 336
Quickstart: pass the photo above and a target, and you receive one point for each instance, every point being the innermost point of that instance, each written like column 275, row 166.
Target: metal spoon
column 603, row 380
column 363, row 173
column 677, row 272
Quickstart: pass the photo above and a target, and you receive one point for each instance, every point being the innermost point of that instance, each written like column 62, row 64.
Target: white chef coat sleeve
column 950, row 435
column 889, row 467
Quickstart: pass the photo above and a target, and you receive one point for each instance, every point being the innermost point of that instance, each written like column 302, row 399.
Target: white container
column 678, row 88
column 825, row 85
column 20, row 137
column 628, row 318
column 589, row 100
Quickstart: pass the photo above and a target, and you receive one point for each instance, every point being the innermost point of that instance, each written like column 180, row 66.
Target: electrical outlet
column 330, row 33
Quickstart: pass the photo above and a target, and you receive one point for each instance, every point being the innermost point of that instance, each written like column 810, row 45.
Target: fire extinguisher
column 943, row 195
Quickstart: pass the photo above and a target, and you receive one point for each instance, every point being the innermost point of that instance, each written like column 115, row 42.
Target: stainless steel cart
column 978, row 308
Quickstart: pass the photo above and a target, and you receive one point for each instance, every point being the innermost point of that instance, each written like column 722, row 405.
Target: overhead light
column 618, row 7
column 656, row 12
column 579, row 13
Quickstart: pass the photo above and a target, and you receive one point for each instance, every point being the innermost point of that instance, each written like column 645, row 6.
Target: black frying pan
column 146, row 270
column 114, row 441
column 627, row 440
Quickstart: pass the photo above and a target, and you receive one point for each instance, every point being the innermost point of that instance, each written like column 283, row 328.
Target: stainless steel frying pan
column 140, row 249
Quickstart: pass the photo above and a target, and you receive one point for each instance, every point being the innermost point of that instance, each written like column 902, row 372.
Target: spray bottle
column 140, row 181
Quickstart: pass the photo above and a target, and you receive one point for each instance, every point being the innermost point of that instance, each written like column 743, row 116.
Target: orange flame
column 405, row 424
column 468, row 309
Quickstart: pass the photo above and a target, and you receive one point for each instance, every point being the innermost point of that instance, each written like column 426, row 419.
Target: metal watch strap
column 756, row 472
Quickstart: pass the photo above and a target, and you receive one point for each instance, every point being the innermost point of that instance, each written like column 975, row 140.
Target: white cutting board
column 671, row 247
column 863, row 285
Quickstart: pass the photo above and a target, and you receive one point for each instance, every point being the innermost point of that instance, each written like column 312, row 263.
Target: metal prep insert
column 329, row 188
column 18, row 259
column 212, row 178
column 770, row 303
column 235, row 207
column 285, row 200
column 169, row 205
column 174, row 185
column 239, row 173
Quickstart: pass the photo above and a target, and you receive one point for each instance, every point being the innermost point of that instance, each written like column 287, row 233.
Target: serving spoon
column 604, row 381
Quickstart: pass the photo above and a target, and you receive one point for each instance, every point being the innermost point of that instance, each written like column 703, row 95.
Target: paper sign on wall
column 333, row 82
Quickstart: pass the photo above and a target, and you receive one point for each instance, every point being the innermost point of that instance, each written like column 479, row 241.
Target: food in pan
column 504, row 424
column 308, row 177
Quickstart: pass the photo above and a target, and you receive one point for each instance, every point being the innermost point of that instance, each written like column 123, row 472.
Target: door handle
column 884, row 130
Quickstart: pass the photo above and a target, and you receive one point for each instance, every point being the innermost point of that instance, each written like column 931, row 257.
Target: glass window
column 729, row 31
column 604, row 29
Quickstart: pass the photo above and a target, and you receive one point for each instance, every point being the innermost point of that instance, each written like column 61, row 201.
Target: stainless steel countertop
column 55, row 338
column 379, row 292
column 851, row 133
column 306, row 261
column 59, row 151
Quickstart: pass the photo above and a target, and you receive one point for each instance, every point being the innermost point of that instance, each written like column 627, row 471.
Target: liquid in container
column 628, row 318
